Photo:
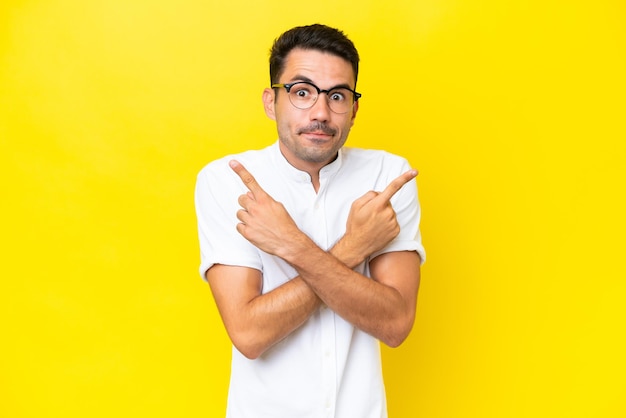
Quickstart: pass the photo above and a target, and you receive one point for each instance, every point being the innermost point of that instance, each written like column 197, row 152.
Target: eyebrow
column 299, row 77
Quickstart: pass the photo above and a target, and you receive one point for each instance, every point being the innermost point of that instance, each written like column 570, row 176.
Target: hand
column 264, row 221
column 372, row 221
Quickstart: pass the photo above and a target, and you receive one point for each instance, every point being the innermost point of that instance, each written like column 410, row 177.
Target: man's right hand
column 264, row 221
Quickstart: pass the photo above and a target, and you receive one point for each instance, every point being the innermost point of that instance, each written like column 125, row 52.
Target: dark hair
column 316, row 37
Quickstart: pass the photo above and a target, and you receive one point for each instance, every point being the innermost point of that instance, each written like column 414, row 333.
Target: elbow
column 394, row 341
column 248, row 352
column 247, row 345
column 396, row 335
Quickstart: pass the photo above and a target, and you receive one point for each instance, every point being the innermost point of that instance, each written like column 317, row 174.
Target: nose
column 320, row 110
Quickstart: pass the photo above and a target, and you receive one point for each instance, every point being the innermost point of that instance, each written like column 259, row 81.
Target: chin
column 318, row 157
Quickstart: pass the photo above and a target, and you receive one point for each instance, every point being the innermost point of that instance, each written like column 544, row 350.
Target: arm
column 256, row 321
column 383, row 307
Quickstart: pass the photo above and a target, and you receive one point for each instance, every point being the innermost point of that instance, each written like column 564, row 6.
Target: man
column 312, row 250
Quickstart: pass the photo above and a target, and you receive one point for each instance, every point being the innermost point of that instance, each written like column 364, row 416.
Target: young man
column 312, row 250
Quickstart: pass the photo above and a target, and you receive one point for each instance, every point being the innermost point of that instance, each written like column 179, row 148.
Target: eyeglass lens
column 304, row 96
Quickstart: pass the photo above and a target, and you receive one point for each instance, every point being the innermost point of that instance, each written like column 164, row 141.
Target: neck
column 312, row 168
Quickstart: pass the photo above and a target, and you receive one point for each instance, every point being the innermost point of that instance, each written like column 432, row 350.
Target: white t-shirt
column 327, row 367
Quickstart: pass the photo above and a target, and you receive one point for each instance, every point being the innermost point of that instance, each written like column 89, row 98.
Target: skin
column 383, row 306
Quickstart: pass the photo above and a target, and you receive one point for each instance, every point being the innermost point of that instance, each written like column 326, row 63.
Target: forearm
column 269, row 318
column 258, row 321
column 383, row 307
column 376, row 308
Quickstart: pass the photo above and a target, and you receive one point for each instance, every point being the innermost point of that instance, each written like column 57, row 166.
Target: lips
column 317, row 129
column 317, row 133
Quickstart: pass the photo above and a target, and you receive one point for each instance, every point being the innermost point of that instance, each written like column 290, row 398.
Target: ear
column 269, row 96
column 355, row 108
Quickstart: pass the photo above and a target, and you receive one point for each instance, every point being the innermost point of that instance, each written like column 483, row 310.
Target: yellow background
column 513, row 111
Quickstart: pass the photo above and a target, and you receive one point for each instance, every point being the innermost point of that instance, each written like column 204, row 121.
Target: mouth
column 317, row 135
column 317, row 131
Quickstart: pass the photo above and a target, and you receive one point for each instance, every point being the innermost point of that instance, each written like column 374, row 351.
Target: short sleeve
column 216, row 195
column 408, row 214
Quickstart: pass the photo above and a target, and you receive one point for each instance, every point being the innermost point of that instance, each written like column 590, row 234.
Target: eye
column 337, row 95
column 302, row 91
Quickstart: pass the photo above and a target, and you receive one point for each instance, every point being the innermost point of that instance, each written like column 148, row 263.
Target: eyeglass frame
column 288, row 86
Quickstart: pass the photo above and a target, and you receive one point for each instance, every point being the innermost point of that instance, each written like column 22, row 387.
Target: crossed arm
column 383, row 307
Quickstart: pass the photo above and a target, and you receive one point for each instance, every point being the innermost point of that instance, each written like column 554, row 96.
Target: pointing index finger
column 248, row 180
column 397, row 184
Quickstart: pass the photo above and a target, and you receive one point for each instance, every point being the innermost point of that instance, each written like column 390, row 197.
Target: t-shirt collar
column 292, row 172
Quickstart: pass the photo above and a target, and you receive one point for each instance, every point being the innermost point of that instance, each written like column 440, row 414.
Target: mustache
column 317, row 127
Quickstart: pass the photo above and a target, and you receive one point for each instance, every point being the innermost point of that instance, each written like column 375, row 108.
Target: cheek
column 283, row 126
column 348, row 123
column 290, row 119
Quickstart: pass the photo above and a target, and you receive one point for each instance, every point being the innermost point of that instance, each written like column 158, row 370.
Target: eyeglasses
column 303, row 95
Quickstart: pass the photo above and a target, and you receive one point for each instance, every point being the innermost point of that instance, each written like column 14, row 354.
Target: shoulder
column 219, row 170
column 373, row 160
column 363, row 155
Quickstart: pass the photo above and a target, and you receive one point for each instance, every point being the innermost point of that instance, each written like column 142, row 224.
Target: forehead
column 322, row 68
